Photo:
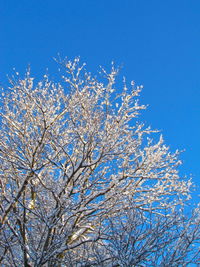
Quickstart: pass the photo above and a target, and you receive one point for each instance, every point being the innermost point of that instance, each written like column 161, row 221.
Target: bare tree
column 82, row 182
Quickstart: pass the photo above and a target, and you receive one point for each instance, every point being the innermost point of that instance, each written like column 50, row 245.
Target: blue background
column 156, row 41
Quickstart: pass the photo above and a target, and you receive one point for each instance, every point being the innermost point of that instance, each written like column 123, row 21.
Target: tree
column 83, row 183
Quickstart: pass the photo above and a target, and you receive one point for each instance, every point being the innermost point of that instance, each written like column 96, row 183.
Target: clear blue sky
column 157, row 42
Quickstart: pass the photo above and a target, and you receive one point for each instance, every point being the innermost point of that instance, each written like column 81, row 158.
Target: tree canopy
column 84, row 182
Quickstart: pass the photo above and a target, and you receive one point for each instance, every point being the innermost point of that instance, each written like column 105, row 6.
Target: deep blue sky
column 157, row 42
